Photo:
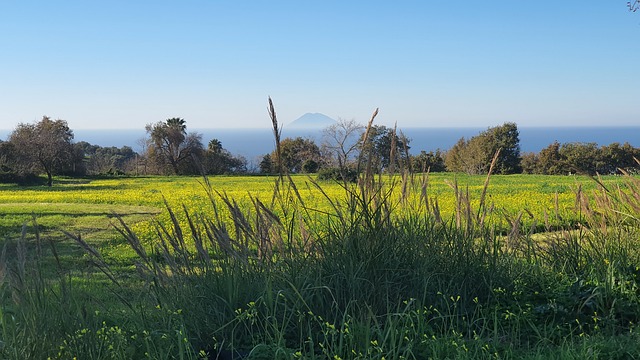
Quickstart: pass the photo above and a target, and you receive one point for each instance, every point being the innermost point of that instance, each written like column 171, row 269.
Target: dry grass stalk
column 392, row 151
column 277, row 132
column 366, row 150
column 424, row 184
column 203, row 254
column 436, row 211
column 408, row 166
column 482, row 210
column 404, row 191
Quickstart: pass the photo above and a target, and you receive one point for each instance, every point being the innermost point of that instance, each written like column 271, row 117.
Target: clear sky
column 123, row 64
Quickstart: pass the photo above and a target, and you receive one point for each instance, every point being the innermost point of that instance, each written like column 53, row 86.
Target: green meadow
column 420, row 266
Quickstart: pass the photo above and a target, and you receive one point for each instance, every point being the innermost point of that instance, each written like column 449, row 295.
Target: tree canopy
column 297, row 155
column 171, row 146
column 474, row 156
column 45, row 146
column 583, row 158
column 220, row 161
column 385, row 148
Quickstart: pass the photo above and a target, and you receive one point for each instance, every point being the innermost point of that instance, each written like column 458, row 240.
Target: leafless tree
column 341, row 141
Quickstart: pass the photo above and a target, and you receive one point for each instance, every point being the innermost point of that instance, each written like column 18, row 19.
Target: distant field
column 87, row 206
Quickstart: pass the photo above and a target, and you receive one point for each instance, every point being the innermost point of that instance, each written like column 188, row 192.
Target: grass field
column 87, row 206
column 260, row 267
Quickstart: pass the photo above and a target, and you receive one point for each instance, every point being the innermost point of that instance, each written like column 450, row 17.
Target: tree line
column 47, row 147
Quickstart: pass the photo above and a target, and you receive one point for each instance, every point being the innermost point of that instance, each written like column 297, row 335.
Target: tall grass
column 378, row 276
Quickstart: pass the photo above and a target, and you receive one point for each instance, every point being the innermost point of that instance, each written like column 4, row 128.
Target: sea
column 254, row 143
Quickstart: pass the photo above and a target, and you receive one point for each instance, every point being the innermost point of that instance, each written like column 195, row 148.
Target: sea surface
column 253, row 143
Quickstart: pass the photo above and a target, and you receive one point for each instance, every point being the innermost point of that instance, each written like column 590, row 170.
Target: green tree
column 614, row 157
column 170, row 145
column 295, row 152
column 529, row 163
column 266, row 164
column 551, row 162
column 580, row 157
column 468, row 156
column 385, row 148
column 111, row 160
column 220, row 161
column 310, row 166
column 506, row 139
column 474, row 156
column 45, row 146
column 7, row 156
column 429, row 161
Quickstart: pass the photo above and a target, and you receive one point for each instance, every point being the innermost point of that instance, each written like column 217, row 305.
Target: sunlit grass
column 318, row 272
column 103, row 197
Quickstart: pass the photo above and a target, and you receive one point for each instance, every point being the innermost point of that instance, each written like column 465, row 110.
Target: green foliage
column 580, row 157
column 614, row 157
column 428, row 161
column 295, row 152
column 21, row 179
column 98, row 160
column 342, row 175
column 310, row 166
column 551, row 162
column 385, row 148
column 473, row 156
column 42, row 147
column 172, row 149
column 584, row 158
column 505, row 139
column 466, row 156
column 220, row 161
column 266, row 164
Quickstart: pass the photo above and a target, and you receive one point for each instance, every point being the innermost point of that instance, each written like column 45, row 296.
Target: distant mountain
column 311, row 121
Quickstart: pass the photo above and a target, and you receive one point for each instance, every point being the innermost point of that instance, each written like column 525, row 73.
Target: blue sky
column 124, row 64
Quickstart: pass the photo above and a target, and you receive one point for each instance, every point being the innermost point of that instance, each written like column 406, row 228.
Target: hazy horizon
column 255, row 142
column 189, row 129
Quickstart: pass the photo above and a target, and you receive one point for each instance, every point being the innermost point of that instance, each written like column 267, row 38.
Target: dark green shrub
column 21, row 179
column 310, row 166
column 338, row 174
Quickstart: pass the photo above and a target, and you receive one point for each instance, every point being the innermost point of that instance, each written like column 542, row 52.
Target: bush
column 310, row 166
column 338, row 174
column 21, row 179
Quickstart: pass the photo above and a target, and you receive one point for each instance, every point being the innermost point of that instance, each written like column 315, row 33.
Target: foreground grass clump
column 373, row 273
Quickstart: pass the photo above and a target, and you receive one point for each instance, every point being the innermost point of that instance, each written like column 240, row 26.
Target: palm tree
column 178, row 124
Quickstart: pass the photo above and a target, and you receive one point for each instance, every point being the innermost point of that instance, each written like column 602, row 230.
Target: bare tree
column 341, row 140
column 633, row 5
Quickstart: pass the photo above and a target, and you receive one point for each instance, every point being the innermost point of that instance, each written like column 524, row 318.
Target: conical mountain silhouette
column 311, row 120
